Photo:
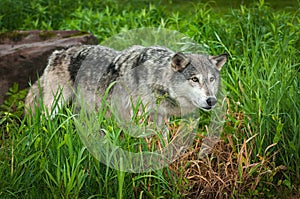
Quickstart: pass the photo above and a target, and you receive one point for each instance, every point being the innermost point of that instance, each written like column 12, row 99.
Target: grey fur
column 180, row 82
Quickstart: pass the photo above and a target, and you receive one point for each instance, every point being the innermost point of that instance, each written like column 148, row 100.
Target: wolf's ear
column 179, row 61
column 219, row 60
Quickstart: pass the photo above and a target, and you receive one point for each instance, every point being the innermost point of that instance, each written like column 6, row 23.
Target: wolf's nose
column 211, row 101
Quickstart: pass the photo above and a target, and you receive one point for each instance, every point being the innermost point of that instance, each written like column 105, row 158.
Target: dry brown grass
column 224, row 173
column 230, row 170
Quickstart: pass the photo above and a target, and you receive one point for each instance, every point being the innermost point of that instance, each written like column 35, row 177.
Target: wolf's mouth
column 207, row 108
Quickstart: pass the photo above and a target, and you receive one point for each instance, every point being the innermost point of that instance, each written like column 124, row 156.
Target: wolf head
column 196, row 80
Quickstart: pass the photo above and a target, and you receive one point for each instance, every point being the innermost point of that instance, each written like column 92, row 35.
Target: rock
column 24, row 54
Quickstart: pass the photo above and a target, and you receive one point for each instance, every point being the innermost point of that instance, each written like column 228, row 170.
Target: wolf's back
column 88, row 68
column 66, row 69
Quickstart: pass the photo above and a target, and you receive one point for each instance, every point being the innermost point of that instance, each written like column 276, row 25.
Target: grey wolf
column 173, row 83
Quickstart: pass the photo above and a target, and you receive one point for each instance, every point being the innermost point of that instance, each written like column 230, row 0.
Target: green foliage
column 11, row 111
column 46, row 157
column 265, row 79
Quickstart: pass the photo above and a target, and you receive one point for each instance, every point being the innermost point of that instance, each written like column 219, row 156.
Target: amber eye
column 195, row 79
column 212, row 79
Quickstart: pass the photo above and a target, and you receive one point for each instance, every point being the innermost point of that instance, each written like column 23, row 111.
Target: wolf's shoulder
column 148, row 52
column 137, row 55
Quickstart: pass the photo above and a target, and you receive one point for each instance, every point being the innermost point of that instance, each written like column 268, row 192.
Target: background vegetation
column 258, row 155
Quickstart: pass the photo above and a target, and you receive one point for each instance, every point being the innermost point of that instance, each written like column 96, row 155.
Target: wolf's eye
column 212, row 79
column 195, row 79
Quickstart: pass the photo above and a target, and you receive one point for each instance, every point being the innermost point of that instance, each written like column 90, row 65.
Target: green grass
column 41, row 158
